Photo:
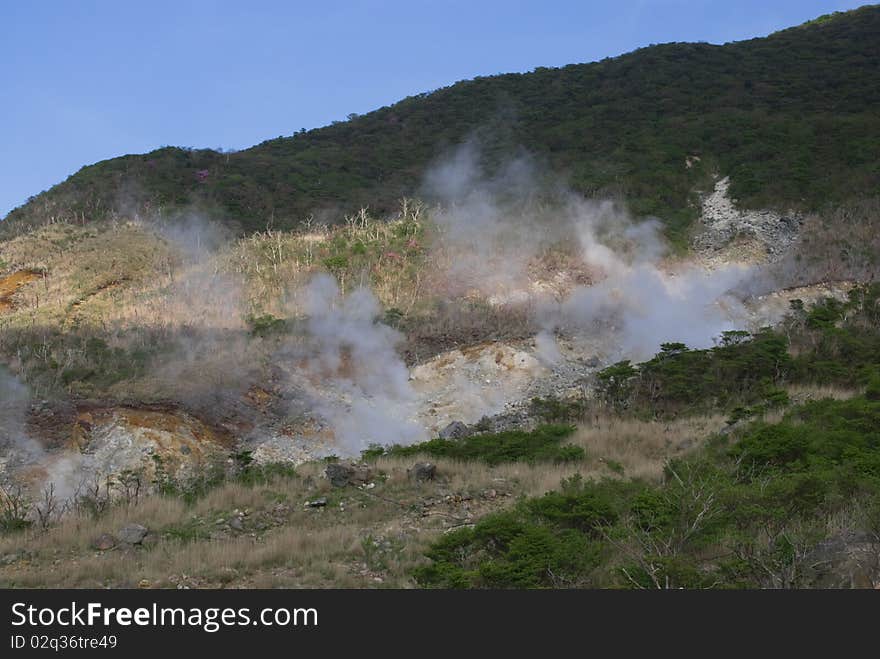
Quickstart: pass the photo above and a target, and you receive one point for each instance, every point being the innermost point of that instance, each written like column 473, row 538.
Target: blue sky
column 88, row 80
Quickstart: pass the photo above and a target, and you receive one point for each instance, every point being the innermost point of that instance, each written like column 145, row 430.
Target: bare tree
column 49, row 507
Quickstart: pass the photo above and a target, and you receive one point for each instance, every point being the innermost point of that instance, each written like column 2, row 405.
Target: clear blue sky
column 87, row 80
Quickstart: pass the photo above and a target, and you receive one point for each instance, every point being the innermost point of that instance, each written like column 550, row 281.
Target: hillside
column 494, row 393
column 791, row 118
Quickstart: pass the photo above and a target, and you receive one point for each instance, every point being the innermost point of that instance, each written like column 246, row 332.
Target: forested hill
column 792, row 119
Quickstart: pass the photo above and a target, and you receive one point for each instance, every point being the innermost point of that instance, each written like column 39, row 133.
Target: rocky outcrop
column 132, row 534
column 455, row 430
column 723, row 224
column 104, row 542
column 341, row 474
column 112, row 451
column 422, row 472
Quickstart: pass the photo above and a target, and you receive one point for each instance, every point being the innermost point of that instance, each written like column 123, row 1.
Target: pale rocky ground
column 728, row 234
column 493, row 380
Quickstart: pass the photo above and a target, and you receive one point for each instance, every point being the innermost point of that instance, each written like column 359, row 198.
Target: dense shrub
column 834, row 342
column 731, row 515
column 544, row 444
column 743, row 369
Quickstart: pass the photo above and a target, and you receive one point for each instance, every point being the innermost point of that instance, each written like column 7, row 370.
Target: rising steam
column 348, row 351
column 582, row 268
column 499, row 227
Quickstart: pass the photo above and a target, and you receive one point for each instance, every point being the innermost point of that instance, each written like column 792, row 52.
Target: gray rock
column 733, row 427
column 341, row 474
column 455, row 430
column 722, row 222
column 132, row 534
column 9, row 559
column 104, row 542
column 150, row 540
column 236, row 524
column 320, row 502
column 422, row 471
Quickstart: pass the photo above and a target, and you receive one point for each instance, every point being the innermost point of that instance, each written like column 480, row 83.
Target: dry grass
column 385, row 256
column 88, row 271
column 362, row 538
column 801, row 393
column 642, row 448
column 123, row 285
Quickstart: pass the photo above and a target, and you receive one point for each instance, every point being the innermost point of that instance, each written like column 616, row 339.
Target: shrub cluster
column 743, row 514
column 832, row 342
column 544, row 444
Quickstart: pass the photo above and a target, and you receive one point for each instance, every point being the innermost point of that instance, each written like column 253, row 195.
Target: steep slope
column 791, row 118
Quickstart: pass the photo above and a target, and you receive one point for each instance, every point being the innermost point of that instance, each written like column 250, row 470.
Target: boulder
column 422, row 471
column 132, row 534
column 320, row 502
column 455, row 430
column 341, row 474
column 10, row 559
column 104, row 542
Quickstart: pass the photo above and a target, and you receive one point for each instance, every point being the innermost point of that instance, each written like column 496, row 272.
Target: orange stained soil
column 170, row 429
column 9, row 285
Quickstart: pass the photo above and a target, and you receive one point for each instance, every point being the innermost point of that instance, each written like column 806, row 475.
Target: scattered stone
column 104, row 542
column 422, row 471
column 144, row 583
column 320, row 502
column 455, row 430
column 733, row 427
column 457, row 527
column 593, row 362
column 235, row 524
column 9, row 559
column 341, row 474
column 132, row 534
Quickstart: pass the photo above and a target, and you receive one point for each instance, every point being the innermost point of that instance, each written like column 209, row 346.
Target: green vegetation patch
column 740, row 514
column 832, row 342
column 544, row 444
column 791, row 118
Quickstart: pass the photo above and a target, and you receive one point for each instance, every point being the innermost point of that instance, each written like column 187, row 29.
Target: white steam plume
column 19, row 449
column 14, row 399
column 353, row 354
column 499, row 228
